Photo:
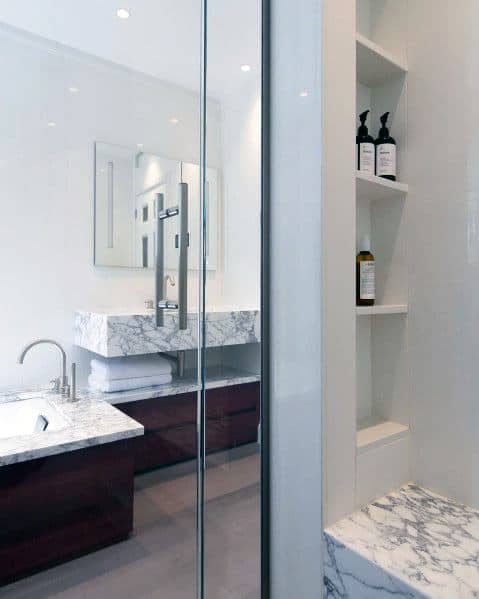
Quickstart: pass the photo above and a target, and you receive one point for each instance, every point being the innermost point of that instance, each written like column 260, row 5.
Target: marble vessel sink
column 113, row 334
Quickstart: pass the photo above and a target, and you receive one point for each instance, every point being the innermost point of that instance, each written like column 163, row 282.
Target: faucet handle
column 73, row 386
column 55, row 385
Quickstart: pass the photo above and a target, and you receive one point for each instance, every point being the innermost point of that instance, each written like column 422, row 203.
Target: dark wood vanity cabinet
column 232, row 418
column 56, row 508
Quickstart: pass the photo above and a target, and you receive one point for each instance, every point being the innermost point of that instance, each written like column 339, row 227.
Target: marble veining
column 91, row 422
column 411, row 543
column 111, row 335
column 216, row 377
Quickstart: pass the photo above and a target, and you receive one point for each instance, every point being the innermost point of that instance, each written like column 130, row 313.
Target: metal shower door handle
column 161, row 302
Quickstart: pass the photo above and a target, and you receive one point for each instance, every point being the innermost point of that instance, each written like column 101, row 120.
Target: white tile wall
column 381, row 469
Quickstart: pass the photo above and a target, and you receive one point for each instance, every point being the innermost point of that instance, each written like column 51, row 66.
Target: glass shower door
column 230, row 405
column 99, row 133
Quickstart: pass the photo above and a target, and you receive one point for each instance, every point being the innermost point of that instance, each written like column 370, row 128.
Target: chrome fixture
column 171, row 280
column 161, row 302
column 179, row 361
column 73, row 382
column 150, row 304
column 60, row 384
column 111, row 205
column 161, row 281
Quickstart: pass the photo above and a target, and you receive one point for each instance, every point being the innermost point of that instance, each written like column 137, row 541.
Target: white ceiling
column 161, row 37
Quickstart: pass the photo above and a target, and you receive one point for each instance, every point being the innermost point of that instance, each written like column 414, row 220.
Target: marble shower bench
column 411, row 543
column 112, row 334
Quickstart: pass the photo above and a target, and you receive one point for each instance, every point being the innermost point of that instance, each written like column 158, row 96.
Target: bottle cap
column 363, row 130
column 384, row 131
column 365, row 244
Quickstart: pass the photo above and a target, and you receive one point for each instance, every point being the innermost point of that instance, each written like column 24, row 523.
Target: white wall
column 443, row 208
column 46, row 186
column 296, row 319
column 339, row 246
column 47, row 176
column 241, row 122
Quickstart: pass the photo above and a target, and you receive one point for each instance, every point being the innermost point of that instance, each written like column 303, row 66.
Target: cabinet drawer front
column 232, row 400
column 162, row 412
column 166, row 412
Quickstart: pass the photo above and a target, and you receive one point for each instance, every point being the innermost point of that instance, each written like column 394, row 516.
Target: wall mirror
column 127, row 183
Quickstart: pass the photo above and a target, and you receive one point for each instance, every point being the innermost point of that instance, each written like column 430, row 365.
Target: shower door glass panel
column 232, row 538
column 119, row 462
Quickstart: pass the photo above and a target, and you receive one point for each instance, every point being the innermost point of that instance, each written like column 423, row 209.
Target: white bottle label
column 366, row 158
column 386, row 160
column 367, row 288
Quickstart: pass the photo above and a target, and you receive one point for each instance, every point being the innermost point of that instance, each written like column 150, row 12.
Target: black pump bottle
column 385, row 152
column 365, row 147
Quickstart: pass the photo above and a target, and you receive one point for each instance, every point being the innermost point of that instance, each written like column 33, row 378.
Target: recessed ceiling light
column 122, row 13
column 303, row 94
column 51, row 124
column 174, row 120
column 139, row 145
column 73, row 89
column 246, row 68
column 52, row 50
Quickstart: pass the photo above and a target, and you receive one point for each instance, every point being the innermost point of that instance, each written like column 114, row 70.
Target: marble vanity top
column 216, row 377
column 90, row 422
column 130, row 333
column 411, row 543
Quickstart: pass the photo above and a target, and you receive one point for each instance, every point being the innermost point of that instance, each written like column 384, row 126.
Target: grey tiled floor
column 158, row 560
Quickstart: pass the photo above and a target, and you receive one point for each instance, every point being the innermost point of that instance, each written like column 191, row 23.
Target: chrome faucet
column 171, row 280
column 60, row 384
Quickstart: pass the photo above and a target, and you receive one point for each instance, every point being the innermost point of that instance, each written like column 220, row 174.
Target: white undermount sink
column 28, row 417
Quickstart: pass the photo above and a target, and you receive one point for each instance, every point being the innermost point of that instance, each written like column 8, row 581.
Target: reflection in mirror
column 127, row 182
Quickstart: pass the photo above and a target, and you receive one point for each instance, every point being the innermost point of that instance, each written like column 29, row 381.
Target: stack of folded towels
column 132, row 372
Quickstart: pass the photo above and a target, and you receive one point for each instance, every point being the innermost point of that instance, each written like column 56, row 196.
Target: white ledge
column 375, row 188
column 378, row 310
column 379, row 434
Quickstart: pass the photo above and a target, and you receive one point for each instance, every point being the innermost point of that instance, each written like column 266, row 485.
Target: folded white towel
column 112, row 369
column 106, row 386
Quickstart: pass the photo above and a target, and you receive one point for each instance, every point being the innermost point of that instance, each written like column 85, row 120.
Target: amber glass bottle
column 365, row 274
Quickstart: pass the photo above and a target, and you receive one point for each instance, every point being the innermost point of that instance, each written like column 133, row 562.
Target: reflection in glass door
column 130, row 239
column 231, row 366
column 99, row 135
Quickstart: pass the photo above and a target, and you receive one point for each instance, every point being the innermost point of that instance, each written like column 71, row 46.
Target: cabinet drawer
column 232, row 400
column 162, row 412
column 165, row 412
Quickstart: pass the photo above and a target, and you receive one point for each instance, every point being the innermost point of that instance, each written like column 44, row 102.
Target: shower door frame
column 265, row 575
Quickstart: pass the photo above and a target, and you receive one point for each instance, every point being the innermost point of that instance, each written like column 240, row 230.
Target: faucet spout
column 26, row 349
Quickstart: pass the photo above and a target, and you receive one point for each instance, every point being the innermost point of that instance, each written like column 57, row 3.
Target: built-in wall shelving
column 374, row 64
column 374, row 188
column 378, row 310
column 381, row 330
column 375, row 435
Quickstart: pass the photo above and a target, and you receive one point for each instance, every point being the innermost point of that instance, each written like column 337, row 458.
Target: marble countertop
column 216, row 377
column 411, row 543
column 90, row 422
column 122, row 333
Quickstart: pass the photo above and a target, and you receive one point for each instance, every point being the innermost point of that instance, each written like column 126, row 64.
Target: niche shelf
column 370, row 187
column 377, row 435
column 381, row 309
column 382, row 408
column 375, row 65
